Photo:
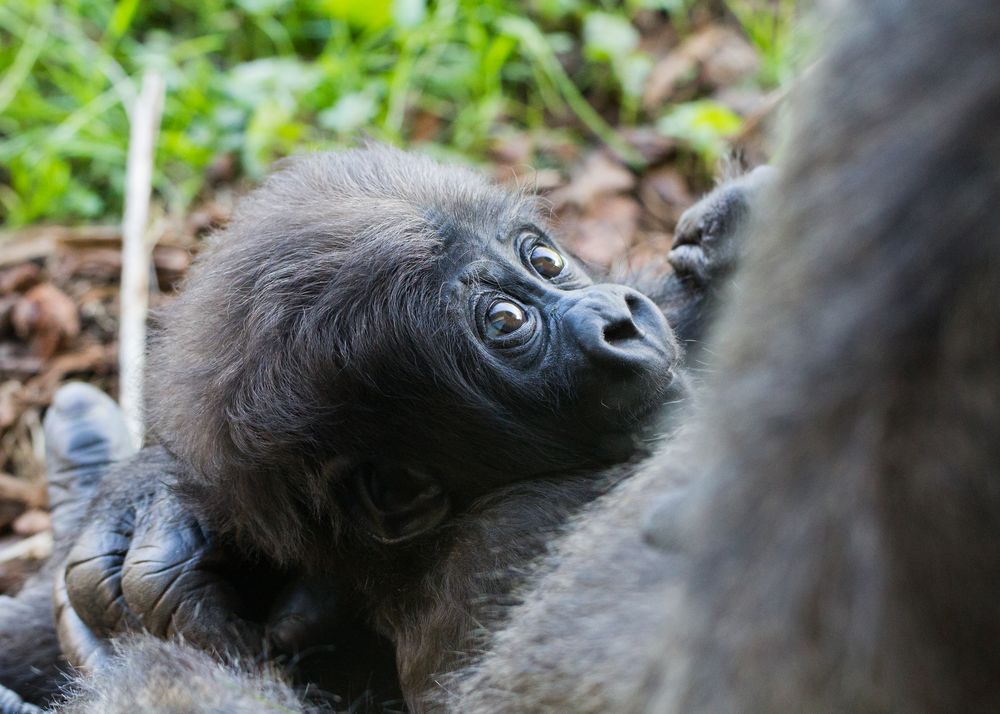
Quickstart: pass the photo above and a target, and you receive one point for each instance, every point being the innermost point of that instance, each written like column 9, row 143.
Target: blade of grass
column 534, row 44
column 31, row 47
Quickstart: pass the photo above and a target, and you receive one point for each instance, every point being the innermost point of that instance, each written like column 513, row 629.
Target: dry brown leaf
column 653, row 146
column 95, row 264
column 664, row 195
column 19, row 278
column 31, row 522
column 47, row 318
column 21, row 491
column 10, row 407
column 606, row 230
column 725, row 55
column 600, row 175
column 716, row 56
column 91, row 358
column 513, row 149
column 666, row 75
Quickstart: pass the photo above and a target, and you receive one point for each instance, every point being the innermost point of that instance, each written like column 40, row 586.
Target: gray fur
column 162, row 677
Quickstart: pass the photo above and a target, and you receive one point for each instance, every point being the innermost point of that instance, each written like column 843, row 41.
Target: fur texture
column 164, row 677
column 826, row 532
column 322, row 324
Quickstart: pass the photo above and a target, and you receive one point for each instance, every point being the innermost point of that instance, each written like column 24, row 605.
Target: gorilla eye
column 502, row 318
column 546, row 262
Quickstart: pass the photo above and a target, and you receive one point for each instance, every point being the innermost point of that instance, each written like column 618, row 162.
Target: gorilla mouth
column 646, row 401
column 666, row 395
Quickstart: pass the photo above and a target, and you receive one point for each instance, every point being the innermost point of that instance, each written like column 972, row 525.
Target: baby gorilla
column 375, row 334
column 374, row 343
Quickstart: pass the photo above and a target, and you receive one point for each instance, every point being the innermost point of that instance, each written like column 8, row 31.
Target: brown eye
column 546, row 262
column 503, row 318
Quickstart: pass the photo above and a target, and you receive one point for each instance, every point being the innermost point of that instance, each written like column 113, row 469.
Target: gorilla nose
column 614, row 324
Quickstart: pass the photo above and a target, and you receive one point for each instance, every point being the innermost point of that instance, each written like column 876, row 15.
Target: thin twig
column 16, row 489
column 137, row 249
column 34, row 547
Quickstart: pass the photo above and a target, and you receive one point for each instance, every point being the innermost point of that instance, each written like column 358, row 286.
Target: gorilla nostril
column 620, row 331
column 632, row 301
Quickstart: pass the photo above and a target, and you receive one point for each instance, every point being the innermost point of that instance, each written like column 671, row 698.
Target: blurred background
column 619, row 113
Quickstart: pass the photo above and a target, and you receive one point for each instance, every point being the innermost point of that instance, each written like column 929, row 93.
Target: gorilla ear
column 396, row 504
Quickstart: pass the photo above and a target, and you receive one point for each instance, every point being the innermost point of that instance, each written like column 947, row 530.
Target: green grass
column 257, row 79
column 768, row 25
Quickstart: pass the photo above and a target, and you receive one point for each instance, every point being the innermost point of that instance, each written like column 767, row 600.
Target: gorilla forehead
column 377, row 193
column 366, row 228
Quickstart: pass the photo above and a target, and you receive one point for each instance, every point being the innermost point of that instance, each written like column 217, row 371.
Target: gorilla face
column 581, row 366
column 496, row 357
column 536, row 310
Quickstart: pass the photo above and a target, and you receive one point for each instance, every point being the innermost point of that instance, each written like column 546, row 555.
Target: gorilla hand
column 707, row 243
column 147, row 565
column 707, row 246
column 143, row 563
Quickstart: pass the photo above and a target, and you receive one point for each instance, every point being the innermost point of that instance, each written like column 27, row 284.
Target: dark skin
column 147, row 557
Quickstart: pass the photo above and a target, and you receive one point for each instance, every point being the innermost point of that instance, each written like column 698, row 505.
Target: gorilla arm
column 84, row 433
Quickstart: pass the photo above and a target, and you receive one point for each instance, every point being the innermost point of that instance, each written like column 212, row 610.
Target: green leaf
column 703, row 125
column 351, row 112
column 363, row 14
column 121, row 18
column 407, row 14
column 608, row 37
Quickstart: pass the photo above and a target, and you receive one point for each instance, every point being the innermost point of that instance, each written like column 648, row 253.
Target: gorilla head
column 372, row 318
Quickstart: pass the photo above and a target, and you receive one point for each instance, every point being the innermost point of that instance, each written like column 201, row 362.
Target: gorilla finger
column 80, row 646
column 93, row 576
column 169, row 583
column 305, row 614
column 707, row 242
